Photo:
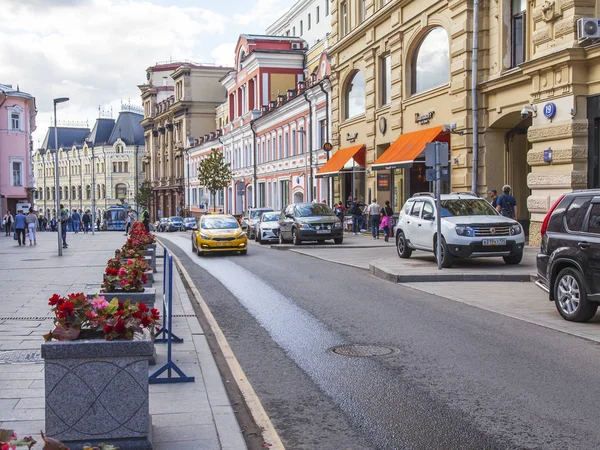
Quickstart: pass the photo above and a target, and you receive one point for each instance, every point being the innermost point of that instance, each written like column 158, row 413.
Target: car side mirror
column 428, row 216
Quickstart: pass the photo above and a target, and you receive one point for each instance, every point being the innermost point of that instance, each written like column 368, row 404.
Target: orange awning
column 406, row 149
column 340, row 158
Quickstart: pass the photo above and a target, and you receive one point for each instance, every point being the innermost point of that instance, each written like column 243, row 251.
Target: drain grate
column 184, row 315
column 21, row 357
column 362, row 350
column 28, row 318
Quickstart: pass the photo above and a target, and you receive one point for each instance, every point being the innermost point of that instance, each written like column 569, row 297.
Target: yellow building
column 406, row 67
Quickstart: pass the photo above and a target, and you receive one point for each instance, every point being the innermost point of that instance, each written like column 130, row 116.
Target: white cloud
column 262, row 14
column 224, row 54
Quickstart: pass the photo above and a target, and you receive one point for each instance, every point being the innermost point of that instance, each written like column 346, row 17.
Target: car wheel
column 259, row 238
column 338, row 240
column 404, row 251
column 570, row 297
column 513, row 259
column 193, row 246
column 447, row 258
column 295, row 238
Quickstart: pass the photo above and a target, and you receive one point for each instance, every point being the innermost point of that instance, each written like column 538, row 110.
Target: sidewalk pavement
column 381, row 259
column 184, row 416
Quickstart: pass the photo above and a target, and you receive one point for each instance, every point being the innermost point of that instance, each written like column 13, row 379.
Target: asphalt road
column 459, row 378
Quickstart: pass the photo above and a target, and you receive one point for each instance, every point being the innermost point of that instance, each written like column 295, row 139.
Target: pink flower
column 123, row 271
column 100, row 303
column 123, row 283
column 129, row 262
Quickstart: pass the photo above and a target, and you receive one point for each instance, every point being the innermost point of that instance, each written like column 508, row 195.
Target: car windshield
column 220, row 223
column 255, row 214
column 175, row 219
column 314, row 209
column 270, row 217
column 163, row 220
column 467, row 207
column 190, row 219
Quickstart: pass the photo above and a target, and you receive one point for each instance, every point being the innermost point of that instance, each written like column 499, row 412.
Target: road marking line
column 259, row 414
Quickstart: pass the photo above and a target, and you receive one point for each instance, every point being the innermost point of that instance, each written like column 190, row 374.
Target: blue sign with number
column 549, row 110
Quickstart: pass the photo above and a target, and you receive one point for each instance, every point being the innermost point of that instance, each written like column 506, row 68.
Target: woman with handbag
column 387, row 214
column 32, row 222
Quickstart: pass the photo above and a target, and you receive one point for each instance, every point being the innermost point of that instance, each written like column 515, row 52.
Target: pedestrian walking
column 7, row 221
column 356, row 213
column 76, row 221
column 20, row 225
column 374, row 211
column 64, row 221
column 53, row 224
column 32, row 225
column 386, row 217
column 98, row 223
column 86, row 219
column 40, row 220
column 494, row 197
column 130, row 220
column 506, row 204
column 339, row 211
column 146, row 219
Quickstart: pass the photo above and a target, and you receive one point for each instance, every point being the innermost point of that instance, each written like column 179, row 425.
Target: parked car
column 219, row 233
column 267, row 228
column 175, row 223
column 309, row 222
column 250, row 218
column 471, row 228
column 568, row 265
column 189, row 223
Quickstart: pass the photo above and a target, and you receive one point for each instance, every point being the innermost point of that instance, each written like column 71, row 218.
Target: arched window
column 74, row 193
column 355, row 95
column 121, row 191
column 103, row 191
column 431, row 62
column 88, row 192
column 79, row 192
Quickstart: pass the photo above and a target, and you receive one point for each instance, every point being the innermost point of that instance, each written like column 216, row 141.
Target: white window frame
column 21, row 162
column 15, row 110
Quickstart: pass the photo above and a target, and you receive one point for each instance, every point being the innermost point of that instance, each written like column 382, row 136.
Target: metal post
column 474, row 104
column 93, row 192
column 438, row 194
column 56, row 183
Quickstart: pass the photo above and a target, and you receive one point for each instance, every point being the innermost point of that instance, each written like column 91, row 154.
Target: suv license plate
column 323, row 231
column 492, row 242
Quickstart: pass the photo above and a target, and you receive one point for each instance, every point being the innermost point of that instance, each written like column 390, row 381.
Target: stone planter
column 152, row 254
column 148, row 296
column 148, row 261
column 97, row 391
column 149, row 276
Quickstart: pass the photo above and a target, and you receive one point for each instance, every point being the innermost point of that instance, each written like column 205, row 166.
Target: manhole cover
column 360, row 350
column 20, row 356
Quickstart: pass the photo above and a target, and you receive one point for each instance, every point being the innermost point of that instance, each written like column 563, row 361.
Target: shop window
column 431, row 62
column 518, row 28
column 354, row 97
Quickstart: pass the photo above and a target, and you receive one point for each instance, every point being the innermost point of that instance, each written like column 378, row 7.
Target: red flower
column 120, row 327
column 138, row 314
column 155, row 313
column 145, row 321
column 67, row 308
column 54, row 300
column 120, row 306
column 108, row 329
column 143, row 308
column 129, row 262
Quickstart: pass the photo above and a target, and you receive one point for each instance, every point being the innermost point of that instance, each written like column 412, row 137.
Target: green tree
column 143, row 197
column 214, row 173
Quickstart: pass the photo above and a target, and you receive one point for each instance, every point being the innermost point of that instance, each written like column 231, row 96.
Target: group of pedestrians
column 379, row 218
column 24, row 225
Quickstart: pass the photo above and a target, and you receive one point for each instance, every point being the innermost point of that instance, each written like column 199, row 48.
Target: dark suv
column 309, row 222
column 568, row 264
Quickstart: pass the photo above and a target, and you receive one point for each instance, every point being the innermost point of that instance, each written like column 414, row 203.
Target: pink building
column 17, row 122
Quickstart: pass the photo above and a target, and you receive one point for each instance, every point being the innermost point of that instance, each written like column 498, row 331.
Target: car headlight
column 464, row 231
column 515, row 229
column 205, row 237
column 337, row 225
column 240, row 236
column 303, row 225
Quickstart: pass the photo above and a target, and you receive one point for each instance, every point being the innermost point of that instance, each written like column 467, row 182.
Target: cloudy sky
column 96, row 51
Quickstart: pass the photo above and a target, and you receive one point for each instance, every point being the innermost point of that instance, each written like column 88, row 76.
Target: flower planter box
column 148, row 296
column 97, row 391
column 148, row 261
column 152, row 254
column 149, row 276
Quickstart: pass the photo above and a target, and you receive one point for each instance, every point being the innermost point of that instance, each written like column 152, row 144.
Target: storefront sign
column 327, row 146
column 424, row 118
column 383, row 181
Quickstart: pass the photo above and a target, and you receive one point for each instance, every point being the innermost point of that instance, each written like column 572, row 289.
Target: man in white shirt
column 374, row 211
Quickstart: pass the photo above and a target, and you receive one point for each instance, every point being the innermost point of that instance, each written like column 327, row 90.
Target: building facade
column 402, row 76
column 179, row 102
column 102, row 167
column 17, row 122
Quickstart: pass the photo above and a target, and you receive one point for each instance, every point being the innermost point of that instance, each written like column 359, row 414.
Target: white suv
column 471, row 228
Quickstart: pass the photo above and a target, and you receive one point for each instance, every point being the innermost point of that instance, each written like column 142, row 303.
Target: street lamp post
column 56, row 180
column 90, row 143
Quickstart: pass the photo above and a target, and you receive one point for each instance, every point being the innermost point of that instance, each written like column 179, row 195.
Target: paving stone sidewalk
column 184, row 416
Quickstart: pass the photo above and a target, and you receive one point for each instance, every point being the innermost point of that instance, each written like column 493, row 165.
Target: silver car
column 267, row 229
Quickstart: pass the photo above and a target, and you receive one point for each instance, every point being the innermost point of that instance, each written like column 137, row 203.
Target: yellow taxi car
column 219, row 233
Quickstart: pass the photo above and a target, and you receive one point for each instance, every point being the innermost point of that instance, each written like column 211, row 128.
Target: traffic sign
column 327, row 146
column 430, row 154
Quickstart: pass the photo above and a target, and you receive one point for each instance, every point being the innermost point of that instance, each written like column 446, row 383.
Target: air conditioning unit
column 588, row 28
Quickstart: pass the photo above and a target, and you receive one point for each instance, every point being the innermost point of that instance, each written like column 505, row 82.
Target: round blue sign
column 549, row 110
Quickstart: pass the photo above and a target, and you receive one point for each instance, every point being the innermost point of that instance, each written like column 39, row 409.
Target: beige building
column 179, row 102
column 402, row 71
column 104, row 164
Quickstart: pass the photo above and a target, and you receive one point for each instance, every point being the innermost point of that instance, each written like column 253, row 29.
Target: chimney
column 314, row 77
column 280, row 99
column 300, row 87
column 272, row 105
column 264, row 108
column 291, row 93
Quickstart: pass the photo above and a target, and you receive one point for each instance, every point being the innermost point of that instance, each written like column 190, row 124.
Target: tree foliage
column 214, row 173
column 144, row 194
